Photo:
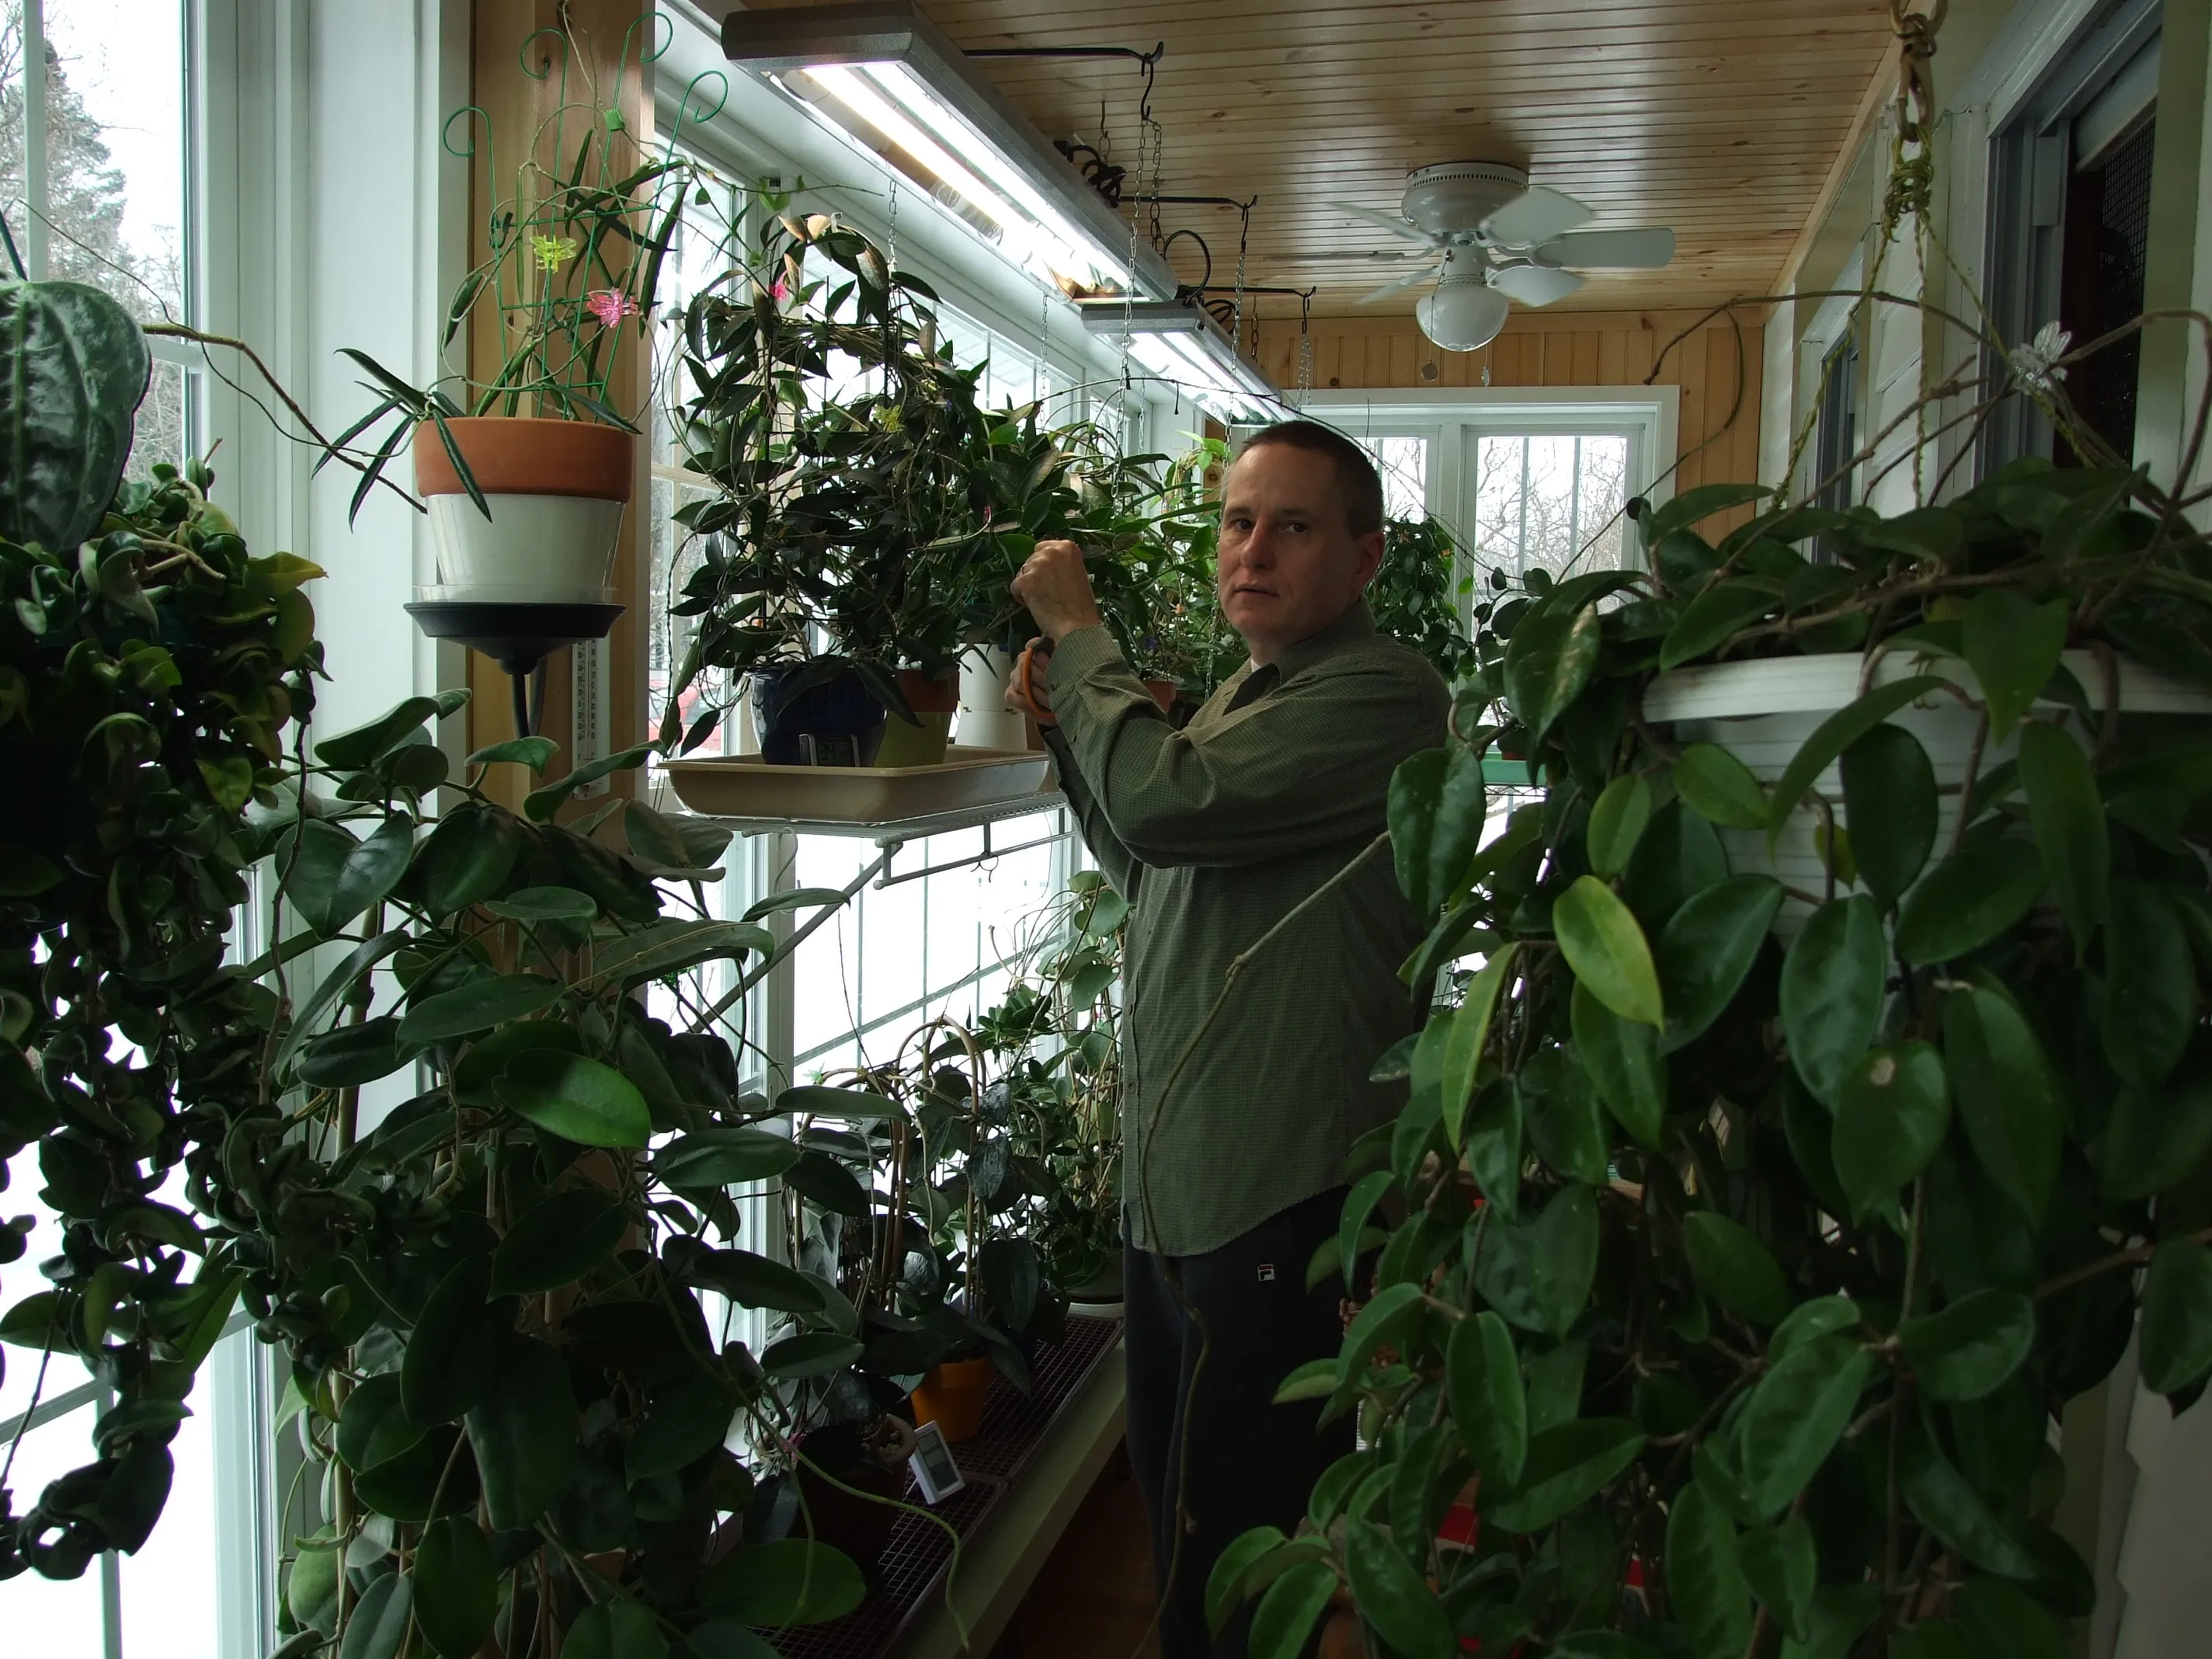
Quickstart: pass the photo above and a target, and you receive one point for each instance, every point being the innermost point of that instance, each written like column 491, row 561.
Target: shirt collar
column 1355, row 624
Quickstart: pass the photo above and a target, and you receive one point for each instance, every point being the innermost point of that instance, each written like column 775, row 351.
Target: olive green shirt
column 1214, row 834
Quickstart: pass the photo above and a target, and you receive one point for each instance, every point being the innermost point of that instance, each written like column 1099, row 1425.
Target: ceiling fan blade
column 1534, row 285
column 1644, row 249
column 1423, row 275
column 1536, row 216
column 1394, row 223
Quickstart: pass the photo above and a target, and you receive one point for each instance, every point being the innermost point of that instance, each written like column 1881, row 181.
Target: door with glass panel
column 1547, row 500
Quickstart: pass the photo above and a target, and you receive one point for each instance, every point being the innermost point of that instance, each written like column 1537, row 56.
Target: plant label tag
column 934, row 1471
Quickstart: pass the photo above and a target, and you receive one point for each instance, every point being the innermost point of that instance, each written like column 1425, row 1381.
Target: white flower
column 2037, row 364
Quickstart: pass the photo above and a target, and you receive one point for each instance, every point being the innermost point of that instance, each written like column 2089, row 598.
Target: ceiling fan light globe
column 1462, row 316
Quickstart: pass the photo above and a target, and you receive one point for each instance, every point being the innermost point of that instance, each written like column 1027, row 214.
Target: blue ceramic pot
column 839, row 709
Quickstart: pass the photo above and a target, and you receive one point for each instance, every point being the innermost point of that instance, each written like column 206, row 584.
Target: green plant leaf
column 2150, row 985
column 1968, row 1349
column 1286, row 1613
column 1225, row 1585
column 1567, row 1466
column 1832, row 736
column 332, row 877
column 1715, row 785
column 1492, row 1144
column 1832, row 986
column 1560, row 1112
column 557, row 1240
column 826, row 1184
column 1616, row 821
column 353, row 1055
column 1680, row 853
column 1715, row 614
column 1359, row 1204
column 1891, row 1113
column 1998, row 1618
column 1974, row 896
column 2176, row 1317
column 847, row 1105
column 1734, row 1268
column 1316, row 1379
column 1795, row 1415
column 1605, row 947
column 540, row 804
column 810, row 1353
column 523, row 1432
column 536, row 904
column 1779, row 1565
column 1436, row 819
column 456, row 1590
column 379, row 1622
column 1931, row 1638
column 665, row 948
column 686, row 1421
column 794, row 1581
column 724, row 1156
column 755, row 1281
column 2156, row 1138
column 1622, row 1058
column 1548, row 661
column 464, row 860
column 1469, row 1032
column 1838, row 1615
column 532, row 752
column 2012, row 645
column 364, row 745
column 616, row 1628
column 1392, row 1597
column 1950, row 1508
column 373, row 1428
column 1707, row 949
column 1704, row 1576
column 1809, row 1321
column 1890, row 805
column 2069, row 818
column 2002, row 1084
column 477, row 1006
column 76, row 370
column 1563, row 1255
column 1374, row 1325
column 1482, row 1374
column 580, row 1099
column 449, row 1355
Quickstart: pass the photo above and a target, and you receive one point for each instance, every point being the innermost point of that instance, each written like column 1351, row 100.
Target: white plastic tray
column 746, row 787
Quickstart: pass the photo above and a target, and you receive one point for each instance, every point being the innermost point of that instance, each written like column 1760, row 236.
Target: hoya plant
column 1756, row 1232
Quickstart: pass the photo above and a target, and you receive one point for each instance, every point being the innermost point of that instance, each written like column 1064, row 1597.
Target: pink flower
column 610, row 305
column 780, row 290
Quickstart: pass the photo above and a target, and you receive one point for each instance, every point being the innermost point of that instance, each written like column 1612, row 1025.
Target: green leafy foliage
column 1750, row 1195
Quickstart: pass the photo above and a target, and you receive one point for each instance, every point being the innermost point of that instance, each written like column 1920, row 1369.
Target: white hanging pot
column 985, row 722
column 1762, row 711
column 556, row 490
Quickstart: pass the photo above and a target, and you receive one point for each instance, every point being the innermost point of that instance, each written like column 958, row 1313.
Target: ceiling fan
column 1486, row 237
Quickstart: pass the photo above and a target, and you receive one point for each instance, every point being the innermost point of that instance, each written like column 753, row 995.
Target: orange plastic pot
column 1164, row 693
column 952, row 1396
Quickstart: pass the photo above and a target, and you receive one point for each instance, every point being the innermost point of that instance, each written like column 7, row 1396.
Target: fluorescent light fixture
column 886, row 79
column 1181, row 344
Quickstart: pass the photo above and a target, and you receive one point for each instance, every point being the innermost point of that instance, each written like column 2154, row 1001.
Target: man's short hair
column 1358, row 485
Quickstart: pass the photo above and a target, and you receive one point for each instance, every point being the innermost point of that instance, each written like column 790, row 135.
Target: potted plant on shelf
column 847, row 458
column 1828, row 1077
column 485, row 1295
column 528, row 465
column 1417, row 591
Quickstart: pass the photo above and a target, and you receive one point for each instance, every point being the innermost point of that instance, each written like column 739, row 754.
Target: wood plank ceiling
column 1719, row 118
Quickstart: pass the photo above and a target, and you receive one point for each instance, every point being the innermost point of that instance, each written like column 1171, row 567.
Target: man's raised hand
column 1056, row 588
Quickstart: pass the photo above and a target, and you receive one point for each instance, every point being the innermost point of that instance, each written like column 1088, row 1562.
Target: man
column 1235, row 1123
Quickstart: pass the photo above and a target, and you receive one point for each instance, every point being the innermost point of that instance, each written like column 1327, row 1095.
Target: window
column 1549, row 501
column 1836, row 437
column 93, row 170
column 1524, row 477
column 2068, row 218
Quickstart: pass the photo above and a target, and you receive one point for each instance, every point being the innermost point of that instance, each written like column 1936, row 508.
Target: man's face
column 1288, row 566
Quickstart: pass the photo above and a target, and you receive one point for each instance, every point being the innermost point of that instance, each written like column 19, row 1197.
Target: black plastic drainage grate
column 911, row 1569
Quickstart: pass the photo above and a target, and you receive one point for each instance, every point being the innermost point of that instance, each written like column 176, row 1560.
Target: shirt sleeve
column 1306, row 766
column 1122, row 869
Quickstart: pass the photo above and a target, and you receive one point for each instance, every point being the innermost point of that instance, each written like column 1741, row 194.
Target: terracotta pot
column 555, row 489
column 1164, row 693
column 907, row 744
column 952, row 1396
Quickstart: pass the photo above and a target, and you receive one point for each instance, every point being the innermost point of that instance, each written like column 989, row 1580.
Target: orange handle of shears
column 1039, row 648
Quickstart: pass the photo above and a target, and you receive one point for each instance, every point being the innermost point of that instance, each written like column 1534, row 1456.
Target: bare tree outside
column 88, row 198
column 1550, row 500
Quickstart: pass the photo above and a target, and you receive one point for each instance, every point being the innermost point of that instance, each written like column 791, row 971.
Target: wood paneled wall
column 1716, row 365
